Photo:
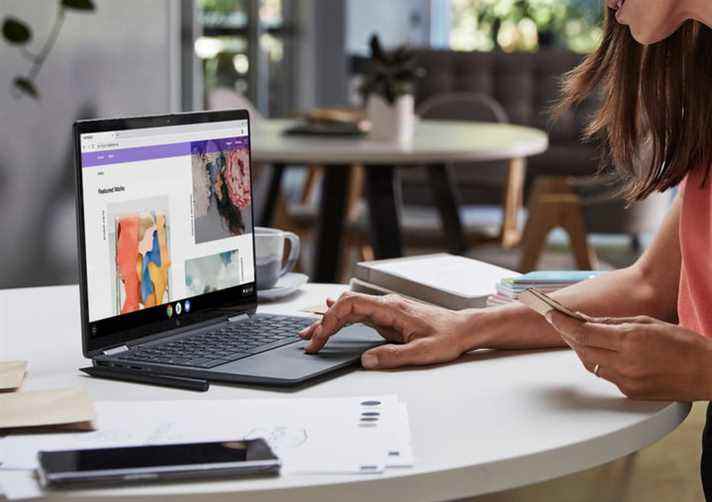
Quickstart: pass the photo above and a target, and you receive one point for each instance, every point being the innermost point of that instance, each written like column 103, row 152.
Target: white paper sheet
column 15, row 485
column 400, row 452
column 309, row 435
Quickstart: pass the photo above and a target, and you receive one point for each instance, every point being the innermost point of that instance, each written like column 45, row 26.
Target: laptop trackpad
column 292, row 363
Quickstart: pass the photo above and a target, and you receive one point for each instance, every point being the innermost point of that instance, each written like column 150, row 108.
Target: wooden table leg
column 273, row 194
column 330, row 235
column 447, row 200
column 513, row 199
column 384, row 208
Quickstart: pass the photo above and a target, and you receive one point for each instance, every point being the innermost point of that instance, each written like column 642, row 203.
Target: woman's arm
column 649, row 287
column 425, row 334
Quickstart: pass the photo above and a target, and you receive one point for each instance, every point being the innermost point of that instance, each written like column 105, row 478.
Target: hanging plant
column 16, row 32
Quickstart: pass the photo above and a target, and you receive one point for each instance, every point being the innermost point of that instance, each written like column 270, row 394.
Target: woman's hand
column 645, row 358
column 418, row 333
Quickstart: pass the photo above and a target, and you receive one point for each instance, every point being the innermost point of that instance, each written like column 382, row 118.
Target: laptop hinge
column 115, row 350
column 241, row 317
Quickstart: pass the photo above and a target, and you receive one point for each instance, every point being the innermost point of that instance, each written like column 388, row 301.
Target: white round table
column 435, row 143
column 488, row 422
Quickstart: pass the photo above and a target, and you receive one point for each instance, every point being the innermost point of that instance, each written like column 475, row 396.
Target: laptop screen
column 167, row 225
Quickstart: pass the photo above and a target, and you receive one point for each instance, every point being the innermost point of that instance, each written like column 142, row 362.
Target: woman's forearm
column 647, row 288
column 617, row 294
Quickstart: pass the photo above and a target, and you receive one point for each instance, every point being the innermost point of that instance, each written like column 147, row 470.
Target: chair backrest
column 525, row 84
column 222, row 98
column 462, row 106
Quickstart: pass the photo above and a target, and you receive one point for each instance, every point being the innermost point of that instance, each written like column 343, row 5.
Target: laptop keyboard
column 229, row 342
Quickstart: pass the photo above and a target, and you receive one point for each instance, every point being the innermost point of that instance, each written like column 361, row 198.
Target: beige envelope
column 12, row 373
column 61, row 409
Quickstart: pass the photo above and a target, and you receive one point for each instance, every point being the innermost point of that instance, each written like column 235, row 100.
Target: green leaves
column 16, row 31
column 78, row 4
column 26, row 86
column 390, row 74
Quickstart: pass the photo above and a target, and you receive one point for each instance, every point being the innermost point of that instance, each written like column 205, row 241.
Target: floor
column 665, row 471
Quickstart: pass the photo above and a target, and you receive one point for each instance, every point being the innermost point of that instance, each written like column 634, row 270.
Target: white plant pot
column 392, row 123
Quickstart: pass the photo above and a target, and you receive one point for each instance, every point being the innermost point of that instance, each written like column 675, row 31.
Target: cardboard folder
column 12, row 373
column 46, row 411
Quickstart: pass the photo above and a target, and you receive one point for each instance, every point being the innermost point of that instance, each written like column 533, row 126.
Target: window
column 525, row 25
column 242, row 49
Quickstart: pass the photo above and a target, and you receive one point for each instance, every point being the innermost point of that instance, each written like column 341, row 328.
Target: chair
column 421, row 224
column 284, row 216
column 582, row 206
column 526, row 85
column 506, row 178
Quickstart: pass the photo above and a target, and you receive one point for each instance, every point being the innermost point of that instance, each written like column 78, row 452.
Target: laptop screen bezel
column 217, row 305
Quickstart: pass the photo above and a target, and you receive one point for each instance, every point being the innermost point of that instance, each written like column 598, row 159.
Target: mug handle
column 294, row 249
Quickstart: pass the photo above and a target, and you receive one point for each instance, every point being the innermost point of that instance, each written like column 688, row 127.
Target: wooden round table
column 435, row 144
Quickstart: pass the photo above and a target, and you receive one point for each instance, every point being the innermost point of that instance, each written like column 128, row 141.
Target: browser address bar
column 107, row 144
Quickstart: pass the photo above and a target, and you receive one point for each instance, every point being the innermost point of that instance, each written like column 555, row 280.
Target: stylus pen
column 177, row 382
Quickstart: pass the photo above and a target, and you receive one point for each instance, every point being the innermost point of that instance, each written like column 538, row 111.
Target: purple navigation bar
column 94, row 159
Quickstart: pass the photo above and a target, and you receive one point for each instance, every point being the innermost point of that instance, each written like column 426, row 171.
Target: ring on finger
column 596, row 368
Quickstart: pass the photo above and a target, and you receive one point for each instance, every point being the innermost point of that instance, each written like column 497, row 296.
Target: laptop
column 167, row 256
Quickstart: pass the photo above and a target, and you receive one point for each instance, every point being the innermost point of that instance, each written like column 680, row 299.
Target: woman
column 651, row 329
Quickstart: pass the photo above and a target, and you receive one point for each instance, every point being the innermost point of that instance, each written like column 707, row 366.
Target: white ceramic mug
column 269, row 244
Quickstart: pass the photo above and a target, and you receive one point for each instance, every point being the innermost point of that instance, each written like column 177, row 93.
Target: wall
column 396, row 22
column 320, row 64
column 121, row 60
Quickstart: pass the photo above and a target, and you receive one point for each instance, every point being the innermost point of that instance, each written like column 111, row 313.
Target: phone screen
column 104, row 459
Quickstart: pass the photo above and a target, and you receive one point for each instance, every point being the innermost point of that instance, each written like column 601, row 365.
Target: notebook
column 455, row 282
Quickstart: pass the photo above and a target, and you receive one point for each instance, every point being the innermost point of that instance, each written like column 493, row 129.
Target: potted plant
column 388, row 90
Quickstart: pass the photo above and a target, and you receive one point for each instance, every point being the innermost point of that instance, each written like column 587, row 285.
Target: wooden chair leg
column 314, row 174
column 572, row 221
column 355, row 192
column 367, row 253
column 513, row 200
column 541, row 221
column 554, row 204
column 353, row 242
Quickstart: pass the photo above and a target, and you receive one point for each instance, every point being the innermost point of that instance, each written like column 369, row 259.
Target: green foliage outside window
column 525, row 25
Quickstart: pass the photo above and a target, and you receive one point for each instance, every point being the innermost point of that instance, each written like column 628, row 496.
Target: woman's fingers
column 591, row 356
column 606, row 364
column 604, row 336
column 353, row 307
column 394, row 356
column 622, row 320
column 307, row 332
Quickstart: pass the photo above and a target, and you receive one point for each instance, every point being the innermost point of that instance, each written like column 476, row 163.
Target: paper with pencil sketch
column 328, row 435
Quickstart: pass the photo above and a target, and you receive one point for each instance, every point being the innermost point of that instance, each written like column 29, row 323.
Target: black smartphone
column 70, row 468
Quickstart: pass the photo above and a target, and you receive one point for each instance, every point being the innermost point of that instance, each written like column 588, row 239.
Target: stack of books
column 454, row 282
column 509, row 288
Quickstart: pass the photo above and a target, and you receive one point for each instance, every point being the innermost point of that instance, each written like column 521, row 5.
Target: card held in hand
column 543, row 304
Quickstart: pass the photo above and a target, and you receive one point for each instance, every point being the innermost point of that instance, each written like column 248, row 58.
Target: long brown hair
column 655, row 99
